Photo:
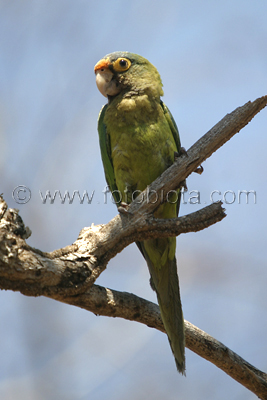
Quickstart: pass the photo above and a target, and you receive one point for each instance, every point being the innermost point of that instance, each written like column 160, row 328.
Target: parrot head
column 123, row 72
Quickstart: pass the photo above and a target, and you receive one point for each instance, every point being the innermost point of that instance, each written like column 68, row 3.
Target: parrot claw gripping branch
column 139, row 141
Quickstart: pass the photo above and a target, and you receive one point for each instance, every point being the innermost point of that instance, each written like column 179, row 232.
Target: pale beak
column 105, row 84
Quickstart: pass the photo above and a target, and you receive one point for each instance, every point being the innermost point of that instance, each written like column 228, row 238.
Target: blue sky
column 212, row 58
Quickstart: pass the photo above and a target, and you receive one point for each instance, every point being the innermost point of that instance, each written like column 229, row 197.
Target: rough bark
column 69, row 274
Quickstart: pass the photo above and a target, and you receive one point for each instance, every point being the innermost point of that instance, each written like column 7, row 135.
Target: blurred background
column 212, row 58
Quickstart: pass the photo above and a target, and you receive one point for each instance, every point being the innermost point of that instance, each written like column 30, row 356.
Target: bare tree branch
column 73, row 269
column 103, row 301
column 68, row 274
column 216, row 137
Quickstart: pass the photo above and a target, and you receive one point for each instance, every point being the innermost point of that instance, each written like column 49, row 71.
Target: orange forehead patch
column 102, row 64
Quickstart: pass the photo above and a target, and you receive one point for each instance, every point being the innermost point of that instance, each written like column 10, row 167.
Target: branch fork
column 69, row 274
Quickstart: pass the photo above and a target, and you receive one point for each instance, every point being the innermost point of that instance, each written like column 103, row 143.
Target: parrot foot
column 181, row 153
column 123, row 208
column 199, row 170
column 176, row 155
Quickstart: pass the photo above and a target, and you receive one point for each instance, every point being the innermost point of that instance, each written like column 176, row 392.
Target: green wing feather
column 172, row 125
column 164, row 280
column 106, row 152
column 176, row 136
column 106, row 155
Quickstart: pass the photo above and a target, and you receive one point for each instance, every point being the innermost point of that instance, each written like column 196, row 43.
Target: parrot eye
column 121, row 64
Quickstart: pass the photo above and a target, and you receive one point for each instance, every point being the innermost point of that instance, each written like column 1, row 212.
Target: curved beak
column 104, row 78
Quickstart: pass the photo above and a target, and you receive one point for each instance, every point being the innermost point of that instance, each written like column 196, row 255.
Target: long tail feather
column 165, row 282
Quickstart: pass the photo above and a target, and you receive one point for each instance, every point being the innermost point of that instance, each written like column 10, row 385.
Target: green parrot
column 139, row 140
